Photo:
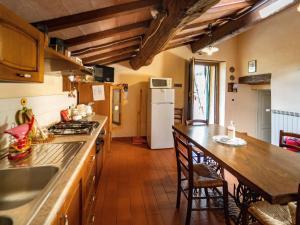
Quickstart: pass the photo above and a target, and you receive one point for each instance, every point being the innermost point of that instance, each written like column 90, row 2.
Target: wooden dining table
column 270, row 171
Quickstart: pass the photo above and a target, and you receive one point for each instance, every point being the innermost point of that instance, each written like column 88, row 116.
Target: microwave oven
column 160, row 82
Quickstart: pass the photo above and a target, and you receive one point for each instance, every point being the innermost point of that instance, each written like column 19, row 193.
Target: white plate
column 224, row 139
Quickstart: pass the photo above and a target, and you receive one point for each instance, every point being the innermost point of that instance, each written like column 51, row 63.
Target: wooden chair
column 268, row 214
column 196, row 122
column 200, row 156
column 178, row 115
column 283, row 144
column 193, row 177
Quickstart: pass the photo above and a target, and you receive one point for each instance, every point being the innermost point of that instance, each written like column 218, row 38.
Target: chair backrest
column 184, row 158
column 178, row 115
column 289, row 140
column 298, row 208
column 196, row 122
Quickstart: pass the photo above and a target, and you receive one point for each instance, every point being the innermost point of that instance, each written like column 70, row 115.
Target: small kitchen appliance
column 160, row 82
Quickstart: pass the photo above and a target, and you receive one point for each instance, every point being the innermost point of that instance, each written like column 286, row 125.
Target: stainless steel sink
column 26, row 184
column 5, row 221
column 21, row 185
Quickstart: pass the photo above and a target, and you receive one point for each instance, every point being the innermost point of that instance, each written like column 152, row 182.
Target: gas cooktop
column 73, row 127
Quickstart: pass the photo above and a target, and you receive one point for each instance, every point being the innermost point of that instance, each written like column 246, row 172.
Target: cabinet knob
column 66, row 221
column 92, row 220
column 94, row 178
column 24, row 75
column 94, row 157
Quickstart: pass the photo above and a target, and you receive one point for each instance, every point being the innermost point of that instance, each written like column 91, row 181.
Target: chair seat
column 268, row 214
column 206, row 177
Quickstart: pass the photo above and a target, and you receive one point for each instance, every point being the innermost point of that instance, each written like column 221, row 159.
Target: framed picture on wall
column 252, row 66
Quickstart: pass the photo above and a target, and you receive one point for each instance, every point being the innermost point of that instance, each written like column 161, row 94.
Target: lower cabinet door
column 72, row 213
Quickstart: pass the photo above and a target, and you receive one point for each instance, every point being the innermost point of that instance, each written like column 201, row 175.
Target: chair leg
column 198, row 158
column 225, row 200
column 207, row 197
column 189, row 207
column 178, row 192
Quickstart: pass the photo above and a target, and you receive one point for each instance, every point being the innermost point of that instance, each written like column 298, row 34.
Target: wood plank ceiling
column 109, row 31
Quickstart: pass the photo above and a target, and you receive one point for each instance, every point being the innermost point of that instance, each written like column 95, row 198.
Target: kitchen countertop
column 48, row 210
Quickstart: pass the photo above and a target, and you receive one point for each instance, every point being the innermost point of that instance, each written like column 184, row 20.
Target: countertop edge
column 42, row 217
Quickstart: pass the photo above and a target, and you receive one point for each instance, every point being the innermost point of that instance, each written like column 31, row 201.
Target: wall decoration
column 231, row 69
column 232, row 77
column 252, row 66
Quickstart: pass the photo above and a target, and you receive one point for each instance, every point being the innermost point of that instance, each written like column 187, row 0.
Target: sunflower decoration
column 23, row 102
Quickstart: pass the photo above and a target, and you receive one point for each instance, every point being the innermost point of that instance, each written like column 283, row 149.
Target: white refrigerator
column 160, row 118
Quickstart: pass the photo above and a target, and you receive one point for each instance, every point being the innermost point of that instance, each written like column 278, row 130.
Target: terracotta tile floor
column 138, row 187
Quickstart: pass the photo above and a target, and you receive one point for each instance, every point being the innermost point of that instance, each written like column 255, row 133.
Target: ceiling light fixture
column 274, row 7
column 209, row 50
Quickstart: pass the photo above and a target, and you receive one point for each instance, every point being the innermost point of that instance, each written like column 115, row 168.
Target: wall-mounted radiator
column 283, row 120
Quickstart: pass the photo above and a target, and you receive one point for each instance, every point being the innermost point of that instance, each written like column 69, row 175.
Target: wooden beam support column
column 235, row 27
column 175, row 15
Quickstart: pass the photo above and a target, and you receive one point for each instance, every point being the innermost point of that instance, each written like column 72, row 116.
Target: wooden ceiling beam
column 200, row 24
column 117, row 61
column 189, row 34
column 113, row 59
column 229, row 6
column 234, row 27
column 177, row 45
column 110, row 54
column 176, row 15
column 97, row 15
column 114, row 44
column 107, row 33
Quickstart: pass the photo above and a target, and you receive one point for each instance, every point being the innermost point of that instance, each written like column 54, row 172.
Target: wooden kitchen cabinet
column 72, row 210
column 89, row 181
column 79, row 205
column 101, row 107
column 21, row 49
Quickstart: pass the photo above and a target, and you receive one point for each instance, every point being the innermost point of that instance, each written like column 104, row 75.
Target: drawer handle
column 66, row 221
column 93, row 220
column 93, row 199
column 24, row 75
column 94, row 157
column 94, row 178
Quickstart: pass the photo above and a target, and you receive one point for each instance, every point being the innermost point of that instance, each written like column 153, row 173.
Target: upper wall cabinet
column 21, row 49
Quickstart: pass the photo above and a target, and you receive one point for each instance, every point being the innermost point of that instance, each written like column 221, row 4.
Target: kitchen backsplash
column 45, row 108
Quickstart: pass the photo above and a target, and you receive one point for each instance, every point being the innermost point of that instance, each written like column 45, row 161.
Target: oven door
column 100, row 153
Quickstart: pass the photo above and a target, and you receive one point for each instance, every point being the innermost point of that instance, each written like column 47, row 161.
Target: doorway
column 264, row 115
column 204, row 91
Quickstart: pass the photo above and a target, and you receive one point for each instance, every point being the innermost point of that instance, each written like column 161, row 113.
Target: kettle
column 89, row 109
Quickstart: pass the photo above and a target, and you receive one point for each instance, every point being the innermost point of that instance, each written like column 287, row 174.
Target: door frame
column 191, row 79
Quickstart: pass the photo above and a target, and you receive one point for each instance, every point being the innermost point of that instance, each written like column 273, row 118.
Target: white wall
column 275, row 45
column 46, row 99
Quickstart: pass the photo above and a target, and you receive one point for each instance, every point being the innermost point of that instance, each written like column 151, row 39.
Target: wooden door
column 21, row 49
column 264, row 115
